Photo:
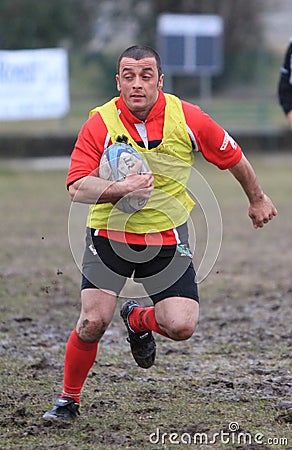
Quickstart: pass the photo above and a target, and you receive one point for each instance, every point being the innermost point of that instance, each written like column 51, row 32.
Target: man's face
column 138, row 82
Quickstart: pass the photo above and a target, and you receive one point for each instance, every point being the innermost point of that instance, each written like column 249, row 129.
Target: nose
column 137, row 82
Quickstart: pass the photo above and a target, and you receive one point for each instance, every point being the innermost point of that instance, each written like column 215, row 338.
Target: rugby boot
column 65, row 410
column 142, row 344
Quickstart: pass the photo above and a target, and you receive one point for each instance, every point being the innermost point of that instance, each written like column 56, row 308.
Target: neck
column 140, row 115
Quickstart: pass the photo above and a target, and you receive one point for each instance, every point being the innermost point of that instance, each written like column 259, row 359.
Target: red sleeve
column 215, row 144
column 88, row 149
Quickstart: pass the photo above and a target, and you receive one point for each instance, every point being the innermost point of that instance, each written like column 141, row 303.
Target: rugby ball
column 116, row 163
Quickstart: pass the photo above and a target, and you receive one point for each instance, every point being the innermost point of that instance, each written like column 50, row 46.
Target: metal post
column 205, row 87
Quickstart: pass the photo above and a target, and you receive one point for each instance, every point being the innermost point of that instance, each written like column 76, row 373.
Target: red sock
column 143, row 319
column 79, row 359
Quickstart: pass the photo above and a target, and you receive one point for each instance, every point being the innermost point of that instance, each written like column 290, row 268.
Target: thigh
column 98, row 304
column 97, row 310
column 169, row 275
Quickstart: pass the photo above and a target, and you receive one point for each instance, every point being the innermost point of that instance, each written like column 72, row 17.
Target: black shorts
column 164, row 271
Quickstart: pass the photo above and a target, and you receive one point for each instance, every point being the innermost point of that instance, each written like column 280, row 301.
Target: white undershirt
column 141, row 128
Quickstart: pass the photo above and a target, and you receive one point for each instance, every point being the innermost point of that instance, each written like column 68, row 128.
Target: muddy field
column 228, row 387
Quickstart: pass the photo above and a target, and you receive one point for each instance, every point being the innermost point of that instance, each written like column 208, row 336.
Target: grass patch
column 235, row 369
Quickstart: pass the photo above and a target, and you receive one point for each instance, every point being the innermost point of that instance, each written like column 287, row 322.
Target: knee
column 183, row 333
column 91, row 330
column 180, row 332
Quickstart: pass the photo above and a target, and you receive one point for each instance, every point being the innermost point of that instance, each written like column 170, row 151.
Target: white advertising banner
column 34, row 84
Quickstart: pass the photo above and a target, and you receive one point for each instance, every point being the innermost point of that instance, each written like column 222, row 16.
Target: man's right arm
column 91, row 190
column 94, row 190
column 84, row 184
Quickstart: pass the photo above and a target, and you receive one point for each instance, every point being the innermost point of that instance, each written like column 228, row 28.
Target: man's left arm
column 261, row 209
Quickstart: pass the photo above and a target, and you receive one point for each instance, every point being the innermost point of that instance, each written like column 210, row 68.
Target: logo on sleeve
column 228, row 139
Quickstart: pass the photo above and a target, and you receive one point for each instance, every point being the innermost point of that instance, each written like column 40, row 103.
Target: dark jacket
column 285, row 81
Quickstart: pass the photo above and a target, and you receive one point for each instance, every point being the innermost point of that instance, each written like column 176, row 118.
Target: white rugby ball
column 115, row 164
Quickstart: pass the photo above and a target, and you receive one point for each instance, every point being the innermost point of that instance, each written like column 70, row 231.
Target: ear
column 160, row 81
column 118, row 83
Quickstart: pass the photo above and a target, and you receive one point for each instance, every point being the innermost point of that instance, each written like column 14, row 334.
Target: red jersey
column 206, row 137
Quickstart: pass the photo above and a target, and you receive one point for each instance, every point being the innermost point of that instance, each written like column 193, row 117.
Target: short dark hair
column 139, row 52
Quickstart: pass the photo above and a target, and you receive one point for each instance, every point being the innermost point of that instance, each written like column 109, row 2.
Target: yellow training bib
column 170, row 162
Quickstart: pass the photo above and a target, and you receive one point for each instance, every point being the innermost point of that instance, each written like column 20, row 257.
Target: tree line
column 41, row 23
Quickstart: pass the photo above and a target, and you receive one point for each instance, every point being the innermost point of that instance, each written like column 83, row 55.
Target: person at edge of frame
column 154, row 123
column 285, row 84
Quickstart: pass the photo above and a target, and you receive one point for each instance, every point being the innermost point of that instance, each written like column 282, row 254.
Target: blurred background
column 241, row 96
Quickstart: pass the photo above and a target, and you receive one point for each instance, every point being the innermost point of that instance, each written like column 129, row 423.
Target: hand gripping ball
column 116, row 163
